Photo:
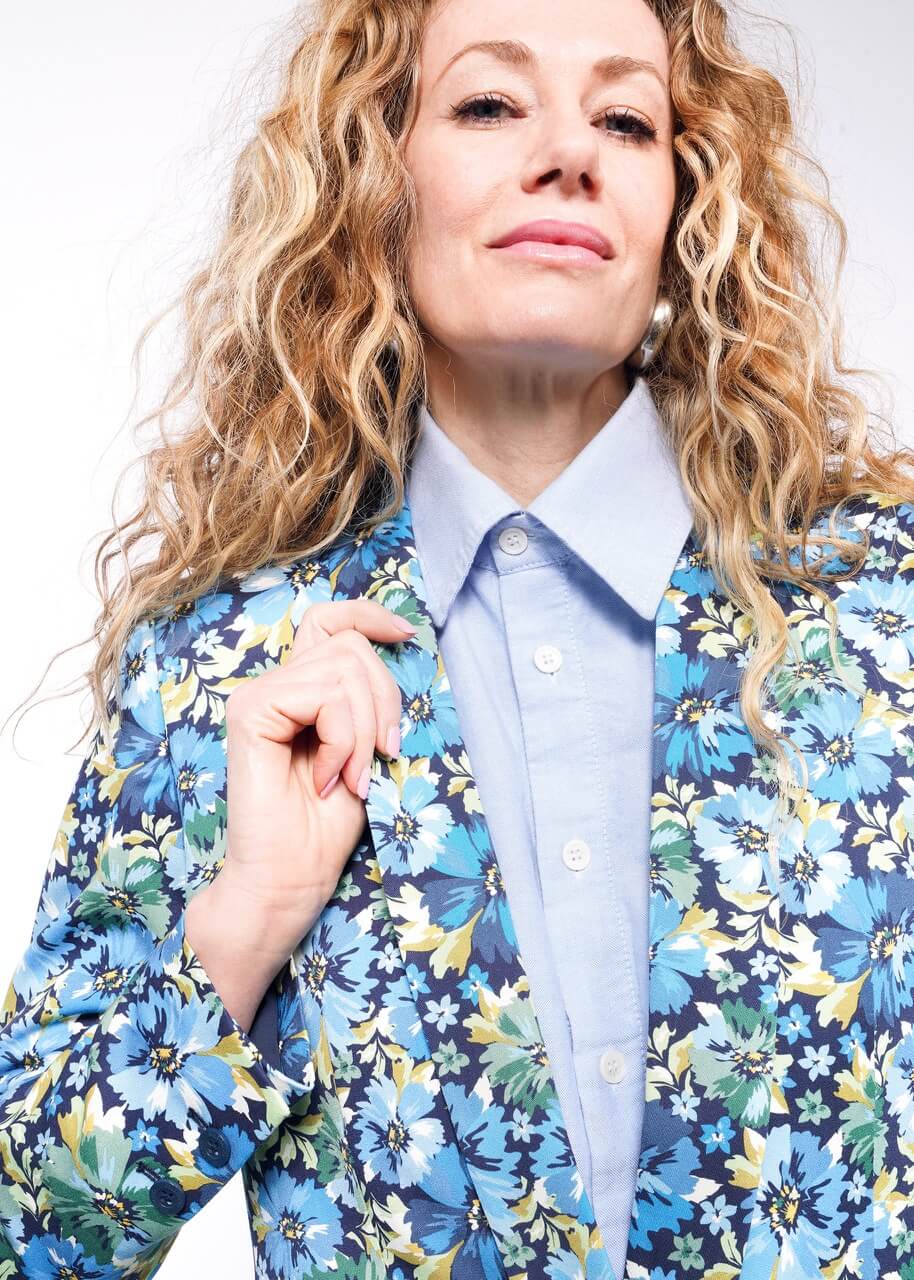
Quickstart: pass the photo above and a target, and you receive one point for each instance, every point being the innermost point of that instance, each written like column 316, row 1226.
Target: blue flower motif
column 814, row 868
column 667, row 637
column 899, row 1088
column 141, row 747
column 768, row 995
column 732, row 832
column 184, row 625
column 692, row 573
column 484, row 1129
column 429, row 722
column 674, row 956
column 553, row 1161
column 794, row 1023
column 417, row 979
column 353, row 559
column 666, row 1178
column 878, row 615
column 874, row 937
column 102, row 972
column 847, row 757
column 137, row 670
column 53, row 921
column 144, row 1137
column 159, row 1064
column 24, row 1057
column 304, row 1223
column 409, row 824
column 852, row 1040
column 450, row 1217
column 817, row 1060
column 684, row 1105
column 279, row 592
column 794, row 1216
column 199, row 761
column 717, row 1137
column 468, row 884
column 698, row 722
column 49, row 1255
column 335, row 977
column 477, row 979
column 397, row 1133
column 443, row 1013
column 717, row 1214
column 566, row 1265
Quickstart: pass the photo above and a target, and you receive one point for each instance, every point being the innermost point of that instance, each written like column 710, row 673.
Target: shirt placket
column 587, row 924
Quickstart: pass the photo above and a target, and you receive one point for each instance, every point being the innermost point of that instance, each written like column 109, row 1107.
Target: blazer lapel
column 714, row 1073
column 453, row 923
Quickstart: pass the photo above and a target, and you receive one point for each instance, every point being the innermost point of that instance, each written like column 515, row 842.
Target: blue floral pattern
column 412, row 1127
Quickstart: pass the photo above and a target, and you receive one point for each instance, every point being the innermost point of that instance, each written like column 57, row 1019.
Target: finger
column 346, row 726
column 329, row 617
column 324, row 660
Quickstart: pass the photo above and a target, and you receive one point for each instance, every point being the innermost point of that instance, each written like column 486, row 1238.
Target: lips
column 555, row 231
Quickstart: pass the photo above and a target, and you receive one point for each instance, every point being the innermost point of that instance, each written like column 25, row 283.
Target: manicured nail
column 404, row 625
column 362, row 788
column 328, row 787
column 393, row 740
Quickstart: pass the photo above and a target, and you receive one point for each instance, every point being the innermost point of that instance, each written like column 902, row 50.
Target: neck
column 521, row 427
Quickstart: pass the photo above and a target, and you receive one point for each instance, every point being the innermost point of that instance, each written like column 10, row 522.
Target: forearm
column 239, row 945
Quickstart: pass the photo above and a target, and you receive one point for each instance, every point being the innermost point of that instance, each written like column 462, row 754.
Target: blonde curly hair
column 302, row 419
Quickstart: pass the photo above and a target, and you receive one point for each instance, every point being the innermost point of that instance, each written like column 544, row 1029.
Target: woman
column 602, row 468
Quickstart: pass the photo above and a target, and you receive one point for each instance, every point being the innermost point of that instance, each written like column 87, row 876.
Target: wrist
column 233, row 948
column 274, row 927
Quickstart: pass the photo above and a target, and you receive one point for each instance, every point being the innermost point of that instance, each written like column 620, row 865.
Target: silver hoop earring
column 650, row 344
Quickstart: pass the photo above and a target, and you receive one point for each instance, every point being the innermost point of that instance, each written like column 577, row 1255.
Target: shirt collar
column 619, row 505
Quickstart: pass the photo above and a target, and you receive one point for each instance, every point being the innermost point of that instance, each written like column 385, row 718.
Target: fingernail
column 328, row 787
column 404, row 625
column 393, row 740
column 362, row 788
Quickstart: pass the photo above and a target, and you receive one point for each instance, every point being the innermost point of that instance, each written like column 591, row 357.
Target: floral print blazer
column 411, row 1128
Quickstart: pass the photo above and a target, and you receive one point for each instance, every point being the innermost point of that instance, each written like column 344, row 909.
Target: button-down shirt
column 545, row 618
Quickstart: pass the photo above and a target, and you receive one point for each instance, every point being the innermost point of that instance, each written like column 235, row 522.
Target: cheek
column 644, row 219
column 455, row 198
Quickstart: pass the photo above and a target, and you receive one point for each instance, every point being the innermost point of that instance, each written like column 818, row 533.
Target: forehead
column 589, row 30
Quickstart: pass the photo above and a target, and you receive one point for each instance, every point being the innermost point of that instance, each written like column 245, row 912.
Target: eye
column 637, row 129
column 641, row 130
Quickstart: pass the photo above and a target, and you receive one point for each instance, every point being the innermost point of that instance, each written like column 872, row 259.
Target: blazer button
column 167, row 1196
column 214, row 1147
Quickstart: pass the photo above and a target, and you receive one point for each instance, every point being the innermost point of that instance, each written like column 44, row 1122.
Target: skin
column 525, row 358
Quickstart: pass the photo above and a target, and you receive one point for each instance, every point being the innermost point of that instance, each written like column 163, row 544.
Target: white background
column 118, row 126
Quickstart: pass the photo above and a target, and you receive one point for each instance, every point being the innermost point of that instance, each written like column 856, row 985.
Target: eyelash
column 645, row 132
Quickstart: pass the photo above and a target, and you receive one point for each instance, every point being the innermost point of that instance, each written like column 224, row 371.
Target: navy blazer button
column 167, row 1196
column 214, row 1147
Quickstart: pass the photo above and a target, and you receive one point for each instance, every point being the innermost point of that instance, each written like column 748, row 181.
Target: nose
column 567, row 154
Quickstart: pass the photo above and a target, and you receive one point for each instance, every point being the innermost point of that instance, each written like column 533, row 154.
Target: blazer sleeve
column 129, row 1095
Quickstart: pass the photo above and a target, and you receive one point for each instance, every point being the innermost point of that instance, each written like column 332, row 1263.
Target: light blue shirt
column 546, row 626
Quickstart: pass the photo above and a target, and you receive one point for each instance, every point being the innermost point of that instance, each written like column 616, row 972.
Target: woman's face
column 572, row 130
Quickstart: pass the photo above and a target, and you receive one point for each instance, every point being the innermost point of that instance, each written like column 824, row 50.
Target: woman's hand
column 309, row 725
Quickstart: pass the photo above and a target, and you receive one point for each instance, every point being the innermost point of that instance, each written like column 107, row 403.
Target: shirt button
column 513, row 540
column 547, row 658
column 612, row 1065
column 576, row 854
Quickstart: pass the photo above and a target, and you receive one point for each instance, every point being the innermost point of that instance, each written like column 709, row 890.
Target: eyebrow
column 517, row 54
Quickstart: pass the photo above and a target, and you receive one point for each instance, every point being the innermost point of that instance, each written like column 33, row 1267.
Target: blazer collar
column 619, row 505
